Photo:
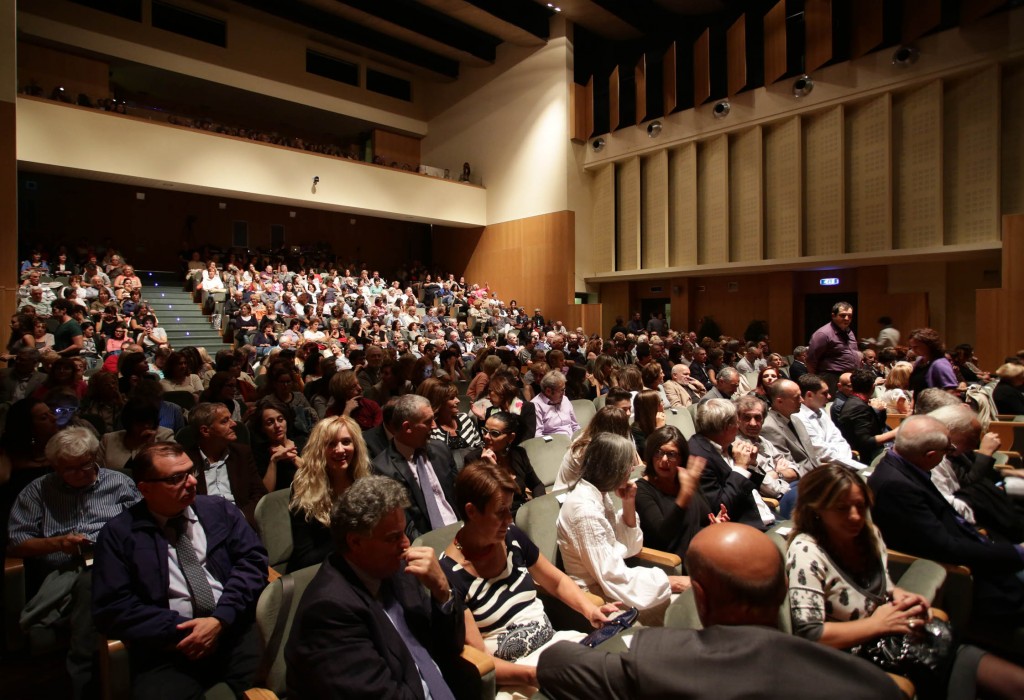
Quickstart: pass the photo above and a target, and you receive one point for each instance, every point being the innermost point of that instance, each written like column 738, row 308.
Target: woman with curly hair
column 332, row 460
column 931, row 368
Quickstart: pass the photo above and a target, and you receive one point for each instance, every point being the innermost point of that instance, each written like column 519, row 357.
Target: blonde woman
column 896, row 391
column 334, row 457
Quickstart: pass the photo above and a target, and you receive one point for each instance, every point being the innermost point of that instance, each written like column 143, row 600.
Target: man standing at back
column 738, row 585
column 833, row 348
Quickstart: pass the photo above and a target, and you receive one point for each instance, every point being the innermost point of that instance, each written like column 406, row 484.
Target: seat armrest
column 659, row 558
column 259, row 694
column 907, row 559
column 115, row 674
column 940, row 614
column 14, row 602
column 595, row 599
column 772, row 503
column 904, row 684
column 481, row 660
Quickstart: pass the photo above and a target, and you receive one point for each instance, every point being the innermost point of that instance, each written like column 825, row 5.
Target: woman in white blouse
column 595, row 539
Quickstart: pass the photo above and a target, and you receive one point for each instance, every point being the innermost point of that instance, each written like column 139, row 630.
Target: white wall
column 97, row 145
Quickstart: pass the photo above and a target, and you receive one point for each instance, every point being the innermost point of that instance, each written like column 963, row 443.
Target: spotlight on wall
column 721, row 109
column 802, row 86
column 597, row 144
column 905, row 56
column 654, row 129
column 316, row 179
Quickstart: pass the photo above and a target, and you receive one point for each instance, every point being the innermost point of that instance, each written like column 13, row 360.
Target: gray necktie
column 426, row 486
column 198, row 585
column 425, row 664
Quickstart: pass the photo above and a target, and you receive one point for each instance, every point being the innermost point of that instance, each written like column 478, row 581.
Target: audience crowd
column 385, row 409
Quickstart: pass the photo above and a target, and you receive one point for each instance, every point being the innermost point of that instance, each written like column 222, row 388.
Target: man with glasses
column 555, row 414
column 177, row 578
column 53, row 525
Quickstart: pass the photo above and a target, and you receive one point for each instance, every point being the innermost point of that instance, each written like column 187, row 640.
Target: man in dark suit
column 860, row 422
column 366, row 626
column 424, row 467
column 699, row 368
column 177, row 577
column 730, row 477
column 915, row 518
column 738, row 585
column 782, row 429
column 799, row 366
column 224, row 466
column 377, row 438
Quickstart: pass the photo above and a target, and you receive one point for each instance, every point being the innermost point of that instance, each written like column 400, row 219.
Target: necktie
column 427, row 487
column 429, row 672
column 202, row 594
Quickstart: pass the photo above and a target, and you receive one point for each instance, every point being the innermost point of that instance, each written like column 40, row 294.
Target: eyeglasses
column 494, row 433
column 84, row 469
column 672, row 456
column 174, row 479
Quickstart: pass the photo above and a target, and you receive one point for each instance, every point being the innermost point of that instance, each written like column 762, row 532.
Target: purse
column 611, row 628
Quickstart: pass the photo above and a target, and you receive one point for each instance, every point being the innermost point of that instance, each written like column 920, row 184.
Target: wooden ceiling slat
column 818, row 30
column 640, row 88
column 973, row 10
column 668, row 79
column 775, row 43
column 868, row 22
column 613, row 100
column 919, row 18
column 736, row 55
column 702, row 68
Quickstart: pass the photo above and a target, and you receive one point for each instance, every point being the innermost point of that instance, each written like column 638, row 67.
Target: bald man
column 738, row 585
column 915, row 518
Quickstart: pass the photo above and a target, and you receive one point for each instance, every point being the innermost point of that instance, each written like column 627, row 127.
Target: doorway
column 659, row 305
column 818, row 311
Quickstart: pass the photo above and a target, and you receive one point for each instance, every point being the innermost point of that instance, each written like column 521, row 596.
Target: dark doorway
column 653, row 306
column 818, row 310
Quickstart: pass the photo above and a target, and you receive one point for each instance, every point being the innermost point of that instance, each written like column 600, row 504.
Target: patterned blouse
column 466, row 436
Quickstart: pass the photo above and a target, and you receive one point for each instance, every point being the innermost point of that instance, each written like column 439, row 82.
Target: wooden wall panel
column 917, row 166
column 640, row 88
column 775, row 43
column 868, row 26
column 746, row 206
column 824, row 215
column 702, row 68
column 50, row 68
column 783, row 185
column 614, row 99
column 971, row 155
column 615, row 303
column 736, row 55
column 9, row 207
column 682, row 211
column 602, row 238
column 627, row 214
column 1011, row 147
column 869, row 176
column 919, row 18
column 973, row 10
column 819, row 34
column 579, row 107
column 668, row 79
column 585, row 316
column 997, row 311
column 654, row 196
column 394, row 147
column 713, row 201
column 590, row 106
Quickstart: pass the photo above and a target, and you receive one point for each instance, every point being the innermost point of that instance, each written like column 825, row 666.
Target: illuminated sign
column 828, row 281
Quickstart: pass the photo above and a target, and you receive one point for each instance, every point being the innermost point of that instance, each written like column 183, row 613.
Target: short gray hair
column 919, row 435
column 957, row 419
column 203, row 414
column 799, row 350
column 728, row 373
column 608, row 460
column 71, row 443
column 553, row 380
column 932, row 399
column 714, row 416
column 748, row 402
column 408, row 408
column 363, row 505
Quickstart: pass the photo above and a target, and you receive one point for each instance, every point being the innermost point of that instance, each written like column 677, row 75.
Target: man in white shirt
column 828, row 441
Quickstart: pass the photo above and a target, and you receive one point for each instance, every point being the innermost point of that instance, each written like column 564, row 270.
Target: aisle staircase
column 178, row 314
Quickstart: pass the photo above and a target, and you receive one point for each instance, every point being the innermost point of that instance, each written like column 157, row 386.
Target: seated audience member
column 915, row 518
column 739, row 583
column 765, row 378
column 500, row 449
column 699, row 368
column 275, row 452
column 785, row 431
column 392, row 383
column 751, row 361
column 683, row 390
column 281, row 384
column 504, row 396
column 492, row 565
column 648, row 416
column 333, row 459
column 827, row 439
column 727, row 383
column 669, row 503
column 452, row 427
column 555, row 414
column 190, row 627
column 730, row 478
column 843, row 391
column 862, row 419
column 841, row 596
column 103, row 400
column 224, row 466
column 1008, row 395
column 595, row 538
column 775, row 465
column 379, row 618
column 53, row 526
column 347, row 400
column 141, row 420
column 424, row 467
column 22, row 378
column 369, row 374
column 895, row 393
column 610, row 419
column 178, row 376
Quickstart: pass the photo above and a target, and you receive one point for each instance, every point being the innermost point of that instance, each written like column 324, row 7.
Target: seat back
column 785, row 621
column 681, row 418
column 537, row 519
column 273, row 523
column 585, row 411
column 439, row 539
column 546, row 455
column 275, row 612
column 185, row 399
column 600, row 402
column 682, row 612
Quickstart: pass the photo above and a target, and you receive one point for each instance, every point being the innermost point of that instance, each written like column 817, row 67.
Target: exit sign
column 828, row 281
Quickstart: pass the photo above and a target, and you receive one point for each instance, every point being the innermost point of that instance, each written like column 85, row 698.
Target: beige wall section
column 114, row 147
column 267, row 56
column 627, row 215
column 526, row 260
column 917, row 162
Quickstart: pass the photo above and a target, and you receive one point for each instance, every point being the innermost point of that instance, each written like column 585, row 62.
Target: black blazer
column 343, row 645
column 915, row 518
column 246, row 483
column 392, row 464
column 721, row 485
column 859, row 424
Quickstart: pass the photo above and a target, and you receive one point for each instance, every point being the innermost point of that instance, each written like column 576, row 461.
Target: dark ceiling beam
column 643, row 15
column 431, row 24
column 525, row 14
column 344, row 30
